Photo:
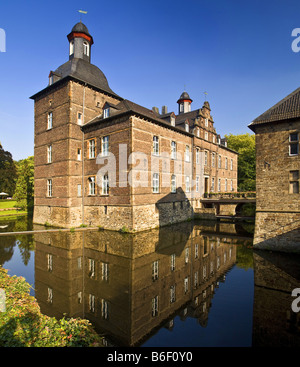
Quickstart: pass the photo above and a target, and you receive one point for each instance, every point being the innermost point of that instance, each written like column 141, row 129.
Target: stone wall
column 277, row 208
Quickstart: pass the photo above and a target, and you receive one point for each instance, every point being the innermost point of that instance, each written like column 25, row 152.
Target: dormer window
column 106, row 113
column 172, row 120
column 71, row 47
column 50, row 79
column 186, row 127
column 86, row 49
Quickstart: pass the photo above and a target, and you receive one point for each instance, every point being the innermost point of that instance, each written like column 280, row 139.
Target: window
column 198, row 132
column 172, row 294
column 187, row 184
column 49, row 154
column 173, row 256
column 172, row 120
column 181, row 107
column 204, row 271
column 196, row 250
column 206, row 122
column 294, row 182
column 197, row 155
column 78, row 154
column 206, row 135
column 155, row 145
column 173, row 184
column 78, row 190
column 197, row 183
column 213, row 157
column 205, row 158
column 86, row 49
column 92, row 149
column 219, row 162
column 106, row 113
column 50, row 295
column 105, row 271
column 105, row 185
column 173, row 150
column 92, row 186
column 231, row 185
column 49, row 262
column 226, row 163
column 91, row 303
column 186, row 255
column 71, row 47
column 225, row 184
column 49, row 188
column 219, row 184
column 104, row 309
column 155, row 183
column 187, row 153
column 294, row 144
column 231, row 164
column 50, row 79
column 186, row 284
column 213, row 184
column 50, row 121
column 155, row 270
column 91, row 268
column 214, row 139
column 196, row 278
column 155, row 306
column 105, row 146
column 79, row 118
column 187, row 128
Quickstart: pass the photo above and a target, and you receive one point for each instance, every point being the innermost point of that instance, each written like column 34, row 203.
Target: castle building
column 277, row 219
column 103, row 160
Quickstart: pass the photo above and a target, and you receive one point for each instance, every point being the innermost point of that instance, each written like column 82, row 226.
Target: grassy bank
column 23, row 325
column 10, row 204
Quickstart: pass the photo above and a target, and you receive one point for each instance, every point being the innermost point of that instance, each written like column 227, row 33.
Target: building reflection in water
column 130, row 285
column 275, row 324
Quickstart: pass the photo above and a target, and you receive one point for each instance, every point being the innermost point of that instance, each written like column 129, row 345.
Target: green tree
column 244, row 144
column 8, row 174
column 25, row 183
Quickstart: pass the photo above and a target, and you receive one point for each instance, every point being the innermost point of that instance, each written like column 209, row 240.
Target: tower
column 76, row 93
column 184, row 103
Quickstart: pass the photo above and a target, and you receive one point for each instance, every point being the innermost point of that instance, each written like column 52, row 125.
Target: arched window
column 86, row 50
column 71, row 47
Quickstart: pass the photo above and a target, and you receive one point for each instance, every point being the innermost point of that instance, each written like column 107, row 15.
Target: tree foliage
column 25, row 183
column 8, row 173
column 244, row 144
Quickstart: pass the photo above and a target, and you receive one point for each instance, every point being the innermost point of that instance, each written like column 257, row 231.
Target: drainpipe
column 82, row 158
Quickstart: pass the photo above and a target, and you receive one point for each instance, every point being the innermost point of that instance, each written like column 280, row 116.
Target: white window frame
column 154, row 306
column 172, row 293
column 219, row 184
column 173, row 150
column 79, row 154
column 197, row 155
column 92, row 149
column 219, row 161
column 49, row 188
column 49, row 154
column 187, row 128
column 206, row 135
column 206, row 122
column 173, row 260
column 79, row 118
column 155, row 270
column 212, row 184
column 155, row 145
column 92, row 186
column 187, row 153
column 104, row 309
column 293, row 142
column 213, row 159
column 197, row 183
column 106, row 112
column 155, row 183
column 79, row 190
column 173, row 184
column 105, row 185
column 50, row 121
column 71, row 50
column 86, row 48
column 105, row 146
column 105, row 271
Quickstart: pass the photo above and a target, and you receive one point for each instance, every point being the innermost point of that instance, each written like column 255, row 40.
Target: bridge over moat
column 226, row 205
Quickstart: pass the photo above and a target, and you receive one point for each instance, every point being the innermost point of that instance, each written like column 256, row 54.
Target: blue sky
column 239, row 52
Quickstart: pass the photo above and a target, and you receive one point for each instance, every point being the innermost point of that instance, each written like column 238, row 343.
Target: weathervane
column 205, row 94
column 82, row 12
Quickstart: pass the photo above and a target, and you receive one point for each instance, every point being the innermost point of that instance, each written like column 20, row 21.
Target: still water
column 194, row 284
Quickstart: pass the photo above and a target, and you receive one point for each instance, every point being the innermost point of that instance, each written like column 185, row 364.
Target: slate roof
column 81, row 28
column 287, row 108
column 83, row 71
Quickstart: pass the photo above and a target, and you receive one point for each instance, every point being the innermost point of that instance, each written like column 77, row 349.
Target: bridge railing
column 230, row 195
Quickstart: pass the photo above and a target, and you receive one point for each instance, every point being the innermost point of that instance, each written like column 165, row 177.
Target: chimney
column 164, row 110
column 155, row 110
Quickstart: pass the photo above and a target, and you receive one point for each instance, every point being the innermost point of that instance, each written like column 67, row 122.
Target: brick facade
column 63, row 193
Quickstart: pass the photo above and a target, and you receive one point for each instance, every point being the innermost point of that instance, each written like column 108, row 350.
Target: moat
column 193, row 284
